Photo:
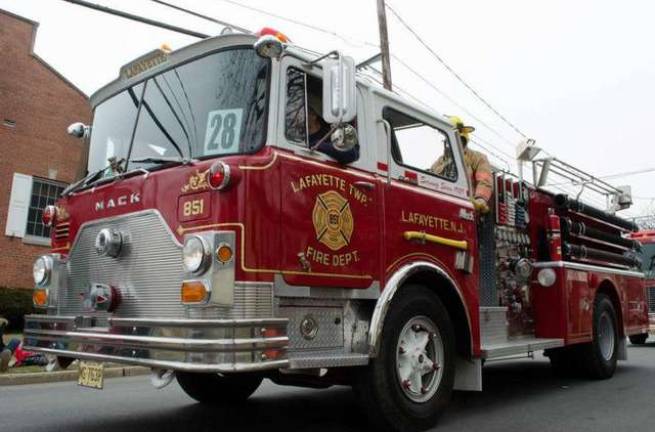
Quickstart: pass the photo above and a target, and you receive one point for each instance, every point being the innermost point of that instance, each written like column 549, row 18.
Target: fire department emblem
column 333, row 220
column 196, row 182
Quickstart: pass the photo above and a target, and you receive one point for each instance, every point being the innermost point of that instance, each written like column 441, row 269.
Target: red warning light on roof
column 271, row 31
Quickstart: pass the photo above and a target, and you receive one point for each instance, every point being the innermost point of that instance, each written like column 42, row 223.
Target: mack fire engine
column 215, row 243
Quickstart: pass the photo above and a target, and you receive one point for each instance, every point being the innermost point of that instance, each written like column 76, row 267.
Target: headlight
column 42, row 269
column 546, row 277
column 195, row 254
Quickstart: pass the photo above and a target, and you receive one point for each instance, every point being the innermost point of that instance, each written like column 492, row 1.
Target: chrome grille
column 148, row 271
column 251, row 300
column 62, row 231
column 651, row 299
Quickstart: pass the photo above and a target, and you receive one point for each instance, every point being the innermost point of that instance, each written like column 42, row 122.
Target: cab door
column 329, row 221
column 427, row 209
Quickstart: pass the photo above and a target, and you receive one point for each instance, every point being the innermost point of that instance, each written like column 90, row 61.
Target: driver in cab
column 319, row 134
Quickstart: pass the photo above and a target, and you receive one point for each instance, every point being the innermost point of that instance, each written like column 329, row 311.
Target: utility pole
column 384, row 45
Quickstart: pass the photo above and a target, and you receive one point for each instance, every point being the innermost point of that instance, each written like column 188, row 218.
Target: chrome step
column 518, row 346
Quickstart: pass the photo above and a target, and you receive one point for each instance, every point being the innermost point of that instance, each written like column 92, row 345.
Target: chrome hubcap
column 606, row 336
column 419, row 359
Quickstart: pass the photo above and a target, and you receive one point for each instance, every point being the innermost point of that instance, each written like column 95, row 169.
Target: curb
column 72, row 375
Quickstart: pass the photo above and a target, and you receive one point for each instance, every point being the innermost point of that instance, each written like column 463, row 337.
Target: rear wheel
column 410, row 382
column 639, row 339
column 600, row 356
column 218, row 389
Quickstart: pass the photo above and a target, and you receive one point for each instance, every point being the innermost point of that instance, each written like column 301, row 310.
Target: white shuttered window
column 19, row 203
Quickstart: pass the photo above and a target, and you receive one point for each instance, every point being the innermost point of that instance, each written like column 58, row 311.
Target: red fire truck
column 647, row 240
column 254, row 210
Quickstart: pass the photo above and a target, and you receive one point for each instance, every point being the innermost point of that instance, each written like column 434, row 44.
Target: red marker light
column 49, row 215
column 219, row 175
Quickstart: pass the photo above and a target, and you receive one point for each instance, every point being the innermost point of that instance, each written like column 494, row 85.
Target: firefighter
column 477, row 167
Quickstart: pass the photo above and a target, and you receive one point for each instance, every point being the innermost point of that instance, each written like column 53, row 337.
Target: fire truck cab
column 254, row 210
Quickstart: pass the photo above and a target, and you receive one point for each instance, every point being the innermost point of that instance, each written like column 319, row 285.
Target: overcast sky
column 577, row 76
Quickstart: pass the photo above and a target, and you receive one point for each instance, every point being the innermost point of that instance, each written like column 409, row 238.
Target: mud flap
column 623, row 350
column 468, row 374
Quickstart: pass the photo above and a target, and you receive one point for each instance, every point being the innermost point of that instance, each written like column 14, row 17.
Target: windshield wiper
column 84, row 181
column 163, row 160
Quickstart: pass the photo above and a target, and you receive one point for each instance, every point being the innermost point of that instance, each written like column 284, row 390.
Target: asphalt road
column 520, row 395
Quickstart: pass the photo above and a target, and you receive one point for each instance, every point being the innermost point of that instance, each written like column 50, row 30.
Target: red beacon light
column 276, row 34
column 49, row 215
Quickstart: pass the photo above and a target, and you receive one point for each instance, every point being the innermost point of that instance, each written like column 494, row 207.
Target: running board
column 518, row 346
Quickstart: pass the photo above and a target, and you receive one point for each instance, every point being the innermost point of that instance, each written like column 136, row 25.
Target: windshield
column 212, row 106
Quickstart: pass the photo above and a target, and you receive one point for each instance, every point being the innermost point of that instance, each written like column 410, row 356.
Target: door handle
column 364, row 185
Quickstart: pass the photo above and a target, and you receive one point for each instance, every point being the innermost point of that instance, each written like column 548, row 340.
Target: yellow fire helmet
column 458, row 124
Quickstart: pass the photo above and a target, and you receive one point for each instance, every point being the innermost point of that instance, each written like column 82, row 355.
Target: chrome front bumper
column 193, row 345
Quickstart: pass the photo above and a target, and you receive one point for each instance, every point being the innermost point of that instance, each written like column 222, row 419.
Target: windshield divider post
column 136, row 123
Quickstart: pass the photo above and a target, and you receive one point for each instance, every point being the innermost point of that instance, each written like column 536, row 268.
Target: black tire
column 380, row 390
column 638, row 339
column 210, row 388
column 598, row 362
column 563, row 361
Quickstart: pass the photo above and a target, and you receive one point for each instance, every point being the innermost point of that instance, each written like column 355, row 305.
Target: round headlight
column 41, row 270
column 546, row 277
column 195, row 254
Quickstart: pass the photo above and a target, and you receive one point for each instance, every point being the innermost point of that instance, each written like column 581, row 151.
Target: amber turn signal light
column 224, row 253
column 40, row 298
column 194, row 292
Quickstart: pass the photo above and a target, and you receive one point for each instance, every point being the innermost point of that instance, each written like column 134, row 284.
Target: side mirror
column 339, row 90
column 344, row 138
column 78, row 130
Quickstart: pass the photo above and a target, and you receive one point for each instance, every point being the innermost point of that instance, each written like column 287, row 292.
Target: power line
column 199, row 15
column 138, row 18
column 451, row 100
column 347, row 40
column 453, row 72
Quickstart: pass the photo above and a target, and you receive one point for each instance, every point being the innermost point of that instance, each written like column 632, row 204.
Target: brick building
column 37, row 157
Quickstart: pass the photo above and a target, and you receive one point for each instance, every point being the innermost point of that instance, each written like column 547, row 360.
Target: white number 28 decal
column 223, row 131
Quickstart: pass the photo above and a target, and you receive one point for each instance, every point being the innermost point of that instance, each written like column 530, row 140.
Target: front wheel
column 600, row 356
column 218, row 389
column 410, row 382
column 638, row 339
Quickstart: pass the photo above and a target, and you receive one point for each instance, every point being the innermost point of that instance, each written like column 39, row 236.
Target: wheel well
column 450, row 298
column 606, row 287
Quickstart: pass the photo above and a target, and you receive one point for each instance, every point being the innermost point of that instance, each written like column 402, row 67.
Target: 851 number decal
column 194, row 206
column 223, row 131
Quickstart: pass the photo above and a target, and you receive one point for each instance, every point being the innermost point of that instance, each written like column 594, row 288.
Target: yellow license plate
column 91, row 374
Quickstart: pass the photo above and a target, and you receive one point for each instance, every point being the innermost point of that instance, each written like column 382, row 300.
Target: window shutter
column 19, row 203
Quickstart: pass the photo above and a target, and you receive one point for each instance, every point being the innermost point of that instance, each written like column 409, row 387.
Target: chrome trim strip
column 175, row 365
column 394, row 282
column 155, row 322
column 165, row 343
column 588, row 267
